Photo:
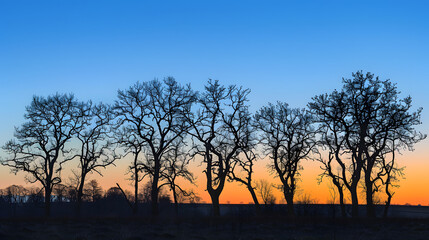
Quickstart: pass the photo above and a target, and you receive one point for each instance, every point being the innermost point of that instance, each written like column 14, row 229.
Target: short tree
column 93, row 190
column 265, row 191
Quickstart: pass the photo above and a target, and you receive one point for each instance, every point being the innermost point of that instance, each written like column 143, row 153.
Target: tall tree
column 219, row 127
column 386, row 121
column 332, row 113
column 288, row 136
column 39, row 146
column 154, row 112
column 96, row 149
column 371, row 117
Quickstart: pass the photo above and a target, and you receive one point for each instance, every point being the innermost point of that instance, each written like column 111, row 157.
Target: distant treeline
column 18, row 194
column 355, row 134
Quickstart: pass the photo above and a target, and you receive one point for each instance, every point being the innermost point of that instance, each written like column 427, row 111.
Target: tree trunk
column 176, row 204
column 136, row 189
column 215, row 203
column 255, row 199
column 355, row 202
column 80, row 194
column 48, row 192
column 342, row 206
column 154, row 196
column 370, row 210
column 289, row 200
column 155, row 190
column 386, row 207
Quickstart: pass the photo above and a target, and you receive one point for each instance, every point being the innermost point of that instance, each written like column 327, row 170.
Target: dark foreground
column 215, row 228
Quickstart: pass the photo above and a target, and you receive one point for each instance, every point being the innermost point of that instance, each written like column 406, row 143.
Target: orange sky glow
column 413, row 189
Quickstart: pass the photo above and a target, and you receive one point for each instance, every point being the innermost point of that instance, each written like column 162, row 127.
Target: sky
column 282, row 50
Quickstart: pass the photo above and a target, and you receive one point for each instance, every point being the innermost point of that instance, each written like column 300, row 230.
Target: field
column 216, row 229
column 406, row 222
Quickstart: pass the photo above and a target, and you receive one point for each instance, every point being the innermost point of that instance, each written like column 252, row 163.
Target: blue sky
column 282, row 50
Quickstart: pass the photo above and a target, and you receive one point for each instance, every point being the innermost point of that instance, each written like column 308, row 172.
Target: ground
column 264, row 228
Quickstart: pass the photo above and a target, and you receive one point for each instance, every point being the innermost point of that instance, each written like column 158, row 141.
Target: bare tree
column 153, row 111
column 176, row 167
column 389, row 125
column 360, row 122
column 332, row 113
column 244, row 163
column 60, row 190
column 189, row 196
column 333, row 199
column 219, row 128
column 265, row 190
column 288, row 136
column 15, row 193
column 388, row 174
column 96, row 150
column 133, row 145
column 336, row 179
column 93, row 190
column 39, row 146
column 35, row 195
column 146, row 193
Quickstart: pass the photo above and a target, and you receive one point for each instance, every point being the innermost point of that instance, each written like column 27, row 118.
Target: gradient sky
column 281, row 50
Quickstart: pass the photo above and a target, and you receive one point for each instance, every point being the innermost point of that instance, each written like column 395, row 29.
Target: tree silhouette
column 60, row 190
column 96, row 149
column 153, row 111
column 332, row 113
column 389, row 175
column 337, row 180
column 132, row 144
column 220, row 129
column 265, row 190
column 364, row 119
column 15, row 193
column 93, row 190
column 288, row 136
column 39, row 146
column 176, row 167
column 244, row 162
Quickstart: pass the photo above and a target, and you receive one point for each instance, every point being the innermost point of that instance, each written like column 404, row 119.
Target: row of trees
column 92, row 192
column 354, row 132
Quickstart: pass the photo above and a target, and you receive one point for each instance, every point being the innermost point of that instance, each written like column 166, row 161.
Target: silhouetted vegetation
column 288, row 137
column 154, row 113
column 220, row 128
column 355, row 134
column 244, row 162
column 96, row 149
column 361, row 124
column 40, row 145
